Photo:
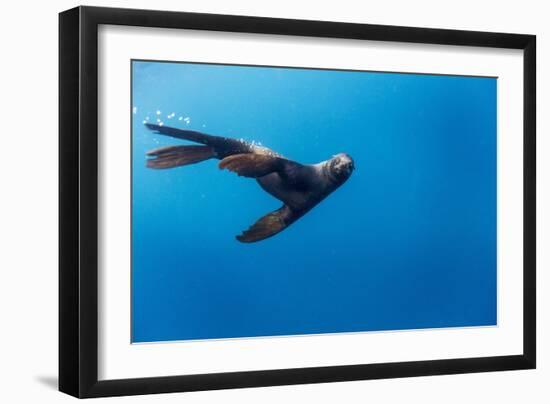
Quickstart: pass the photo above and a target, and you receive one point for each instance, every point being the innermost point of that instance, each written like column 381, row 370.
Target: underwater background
column 408, row 242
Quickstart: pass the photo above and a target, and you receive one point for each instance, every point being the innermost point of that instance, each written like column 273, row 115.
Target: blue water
column 408, row 242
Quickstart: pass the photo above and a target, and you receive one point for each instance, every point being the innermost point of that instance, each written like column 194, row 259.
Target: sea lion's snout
column 341, row 166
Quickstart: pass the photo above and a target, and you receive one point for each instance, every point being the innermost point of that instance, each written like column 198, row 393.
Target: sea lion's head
column 340, row 167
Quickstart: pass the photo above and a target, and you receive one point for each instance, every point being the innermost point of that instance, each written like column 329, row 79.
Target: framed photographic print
column 251, row 201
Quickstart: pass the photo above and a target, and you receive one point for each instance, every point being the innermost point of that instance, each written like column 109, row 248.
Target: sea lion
column 299, row 186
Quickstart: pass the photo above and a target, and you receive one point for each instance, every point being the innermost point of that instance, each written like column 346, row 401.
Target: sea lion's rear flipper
column 174, row 156
column 252, row 165
column 184, row 134
column 223, row 146
column 269, row 225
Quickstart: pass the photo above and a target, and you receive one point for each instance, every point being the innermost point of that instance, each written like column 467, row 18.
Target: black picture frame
column 78, row 201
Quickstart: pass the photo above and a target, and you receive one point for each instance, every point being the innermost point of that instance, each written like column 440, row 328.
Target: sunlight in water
column 408, row 242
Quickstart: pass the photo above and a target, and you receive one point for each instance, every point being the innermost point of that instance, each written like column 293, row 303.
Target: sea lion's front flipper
column 268, row 225
column 252, row 165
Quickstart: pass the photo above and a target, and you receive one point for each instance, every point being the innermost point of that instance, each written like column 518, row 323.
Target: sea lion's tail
column 175, row 156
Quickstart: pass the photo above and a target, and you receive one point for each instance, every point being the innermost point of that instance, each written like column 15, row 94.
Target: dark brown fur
column 300, row 187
